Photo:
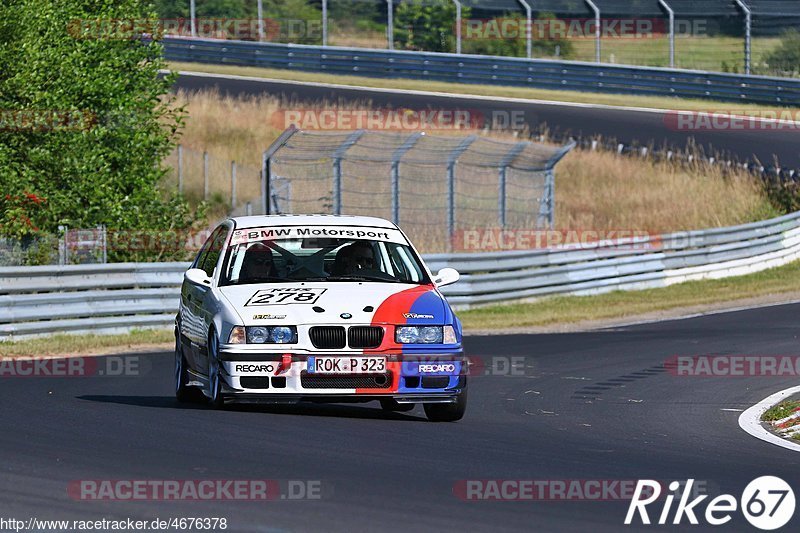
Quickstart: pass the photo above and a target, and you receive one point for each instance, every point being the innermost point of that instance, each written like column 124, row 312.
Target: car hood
column 338, row 303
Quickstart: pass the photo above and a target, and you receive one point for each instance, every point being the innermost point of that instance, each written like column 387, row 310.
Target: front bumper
column 417, row 378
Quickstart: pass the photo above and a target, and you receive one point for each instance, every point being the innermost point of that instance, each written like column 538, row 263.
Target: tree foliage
column 86, row 119
column 786, row 57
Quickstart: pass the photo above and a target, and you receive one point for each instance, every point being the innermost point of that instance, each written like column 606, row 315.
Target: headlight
column 271, row 335
column 418, row 334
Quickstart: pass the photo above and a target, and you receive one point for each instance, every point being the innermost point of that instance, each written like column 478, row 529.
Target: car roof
column 258, row 221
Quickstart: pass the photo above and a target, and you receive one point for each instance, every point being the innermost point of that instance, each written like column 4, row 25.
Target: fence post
column 193, row 17
column 337, row 169
column 671, row 14
column 748, row 26
column 528, row 29
column 458, row 26
column 233, row 184
column 547, row 203
column 205, row 175
column 104, row 235
column 180, row 169
column 324, row 22
column 597, row 31
column 452, row 159
column 266, row 166
column 504, row 163
column 266, row 183
column 398, row 154
column 260, row 20
column 390, row 24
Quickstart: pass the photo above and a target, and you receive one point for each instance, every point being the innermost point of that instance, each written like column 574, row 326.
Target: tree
column 426, row 26
column 87, row 119
column 786, row 57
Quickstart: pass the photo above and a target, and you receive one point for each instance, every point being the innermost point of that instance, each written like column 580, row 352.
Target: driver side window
column 209, row 257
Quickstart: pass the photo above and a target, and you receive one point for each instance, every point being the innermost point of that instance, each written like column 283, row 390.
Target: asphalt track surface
column 595, row 405
column 630, row 127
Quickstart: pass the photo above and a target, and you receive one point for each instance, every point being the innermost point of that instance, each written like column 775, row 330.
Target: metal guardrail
column 492, row 70
column 119, row 297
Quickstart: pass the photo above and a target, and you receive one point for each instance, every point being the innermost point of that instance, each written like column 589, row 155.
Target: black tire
column 447, row 412
column 390, row 404
column 184, row 393
column 216, row 399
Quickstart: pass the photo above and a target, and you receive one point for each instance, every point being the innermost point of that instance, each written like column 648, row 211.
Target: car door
column 205, row 298
column 192, row 322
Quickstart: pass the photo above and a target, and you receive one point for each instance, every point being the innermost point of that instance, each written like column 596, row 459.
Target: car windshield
column 275, row 255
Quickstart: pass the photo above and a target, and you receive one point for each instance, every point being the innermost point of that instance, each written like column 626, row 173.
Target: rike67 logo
column 767, row 503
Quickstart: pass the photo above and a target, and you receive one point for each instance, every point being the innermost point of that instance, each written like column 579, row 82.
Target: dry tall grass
column 594, row 190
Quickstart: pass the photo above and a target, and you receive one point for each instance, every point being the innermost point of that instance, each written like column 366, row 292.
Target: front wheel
column 183, row 392
column 447, row 412
column 214, row 391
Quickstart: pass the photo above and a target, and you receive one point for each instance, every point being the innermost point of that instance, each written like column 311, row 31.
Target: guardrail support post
column 528, row 28
column 398, row 154
column 337, row 169
column 748, row 26
column 597, row 30
column 671, row 14
column 504, row 164
column 451, row 187
column 390, row 23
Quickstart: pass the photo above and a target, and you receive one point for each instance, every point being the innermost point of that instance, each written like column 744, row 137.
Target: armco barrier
column 491, row 70
column 115, row 297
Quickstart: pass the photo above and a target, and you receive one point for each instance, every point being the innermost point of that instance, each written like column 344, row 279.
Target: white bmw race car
column 288, row 308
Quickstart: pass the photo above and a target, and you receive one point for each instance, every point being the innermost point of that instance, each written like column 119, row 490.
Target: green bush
column 786, row 57
column 516, row 45
column 102, row 120
column 427, row 27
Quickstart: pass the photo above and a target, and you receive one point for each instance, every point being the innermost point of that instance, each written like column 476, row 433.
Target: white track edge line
column 697, row 315
column 750, row 420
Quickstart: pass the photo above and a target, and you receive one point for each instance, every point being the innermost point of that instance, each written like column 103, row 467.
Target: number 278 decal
column 285, row 295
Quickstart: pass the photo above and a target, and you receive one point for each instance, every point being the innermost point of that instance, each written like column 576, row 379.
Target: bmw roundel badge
column 346, row 315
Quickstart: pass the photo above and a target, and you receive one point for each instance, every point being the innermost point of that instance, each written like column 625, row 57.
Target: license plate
column 346, row 365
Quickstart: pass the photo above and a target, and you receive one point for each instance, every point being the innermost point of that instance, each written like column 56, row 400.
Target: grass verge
column 136, row 340
column 652, row 102
column 629, row 304
column 781, row 410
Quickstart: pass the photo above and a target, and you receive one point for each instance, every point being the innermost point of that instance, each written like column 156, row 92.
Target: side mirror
column 197, row 276
column 446, row 276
